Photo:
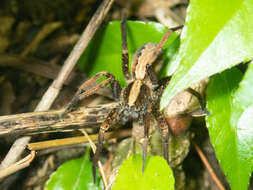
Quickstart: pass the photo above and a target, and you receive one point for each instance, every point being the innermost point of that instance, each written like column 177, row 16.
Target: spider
column 138, row 100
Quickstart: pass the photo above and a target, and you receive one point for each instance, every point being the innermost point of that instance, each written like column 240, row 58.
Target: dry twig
column 208, row 167
column 25, row 162
column 43, row 33
column 76, row 140
column 93, row 147
column 17, row 149
column 42, row 122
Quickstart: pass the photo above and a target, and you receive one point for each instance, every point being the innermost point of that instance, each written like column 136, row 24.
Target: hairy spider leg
column 164, row 130
column 84, row 91
column 109, row 121
column 88, row 88
column 152, row 76
column 125, row 56
column 163, row 40
column 146, row 139
column 162, row 123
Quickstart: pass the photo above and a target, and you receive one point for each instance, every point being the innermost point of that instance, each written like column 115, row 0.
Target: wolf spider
column 138, row 100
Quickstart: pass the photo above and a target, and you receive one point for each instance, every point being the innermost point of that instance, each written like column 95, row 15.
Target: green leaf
column 157, row 174
column 230, row 124
column 75, row 174
column 104, row 51
column 218, row 34
column 169, row 54
column 244, row 95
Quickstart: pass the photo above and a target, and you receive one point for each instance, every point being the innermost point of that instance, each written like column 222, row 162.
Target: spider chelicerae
column 139, row 100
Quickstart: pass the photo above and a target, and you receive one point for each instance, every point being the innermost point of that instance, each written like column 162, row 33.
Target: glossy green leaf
column 244, row 95
column 75, row 174
column 157, row 174
column 230, row 124
column 104, row 51
column 218, row 34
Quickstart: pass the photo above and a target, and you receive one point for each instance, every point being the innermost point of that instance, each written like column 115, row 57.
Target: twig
column 43, row 33
column 16, row 149
column 93, row 147
column 43, row 122
column 72, row 59
column 75, row 140
column 208, row 167
column 25, row 162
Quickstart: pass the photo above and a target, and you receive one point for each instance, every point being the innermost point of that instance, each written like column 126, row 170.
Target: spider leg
column 164, row 129
column 146, row 139
column 125, row 56
column 152, row 75
column 88, row 88
column 109, row 121
column 163, row 40
column 164, row 81
column 200, row 99
column 165, row 138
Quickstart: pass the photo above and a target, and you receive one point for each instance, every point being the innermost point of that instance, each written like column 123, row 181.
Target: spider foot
column 144, row 155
